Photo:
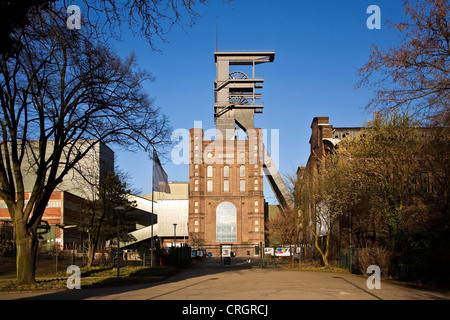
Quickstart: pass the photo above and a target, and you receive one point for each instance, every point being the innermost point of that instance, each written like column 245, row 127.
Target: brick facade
column 63, row 208
column 226, row 172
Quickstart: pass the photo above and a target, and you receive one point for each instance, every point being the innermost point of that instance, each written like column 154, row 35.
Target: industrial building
column 226, row 198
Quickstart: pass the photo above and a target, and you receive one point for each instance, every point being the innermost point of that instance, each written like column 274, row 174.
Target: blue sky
column 319, row 47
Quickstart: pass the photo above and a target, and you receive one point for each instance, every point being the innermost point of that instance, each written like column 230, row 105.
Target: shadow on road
column 205, row 267
column 358, row 287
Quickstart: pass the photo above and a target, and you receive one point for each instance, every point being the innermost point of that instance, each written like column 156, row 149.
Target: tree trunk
column 27, row 245
column 324, row 255
column 91, row 255
column 325, row 260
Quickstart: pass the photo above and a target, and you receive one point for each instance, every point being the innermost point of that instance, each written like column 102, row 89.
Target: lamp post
column 187, row 231
column 174, row 235
column 61, row 226
column 118, row 210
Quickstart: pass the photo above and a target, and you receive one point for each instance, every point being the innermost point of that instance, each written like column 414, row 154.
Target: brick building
column 324, row 137
column 66, row 204
column 63, row 216
column 226, row 200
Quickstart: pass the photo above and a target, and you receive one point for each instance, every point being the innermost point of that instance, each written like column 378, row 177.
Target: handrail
column 248, row 79
column 246, row 50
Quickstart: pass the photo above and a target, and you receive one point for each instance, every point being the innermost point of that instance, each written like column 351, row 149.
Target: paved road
column 208, row 281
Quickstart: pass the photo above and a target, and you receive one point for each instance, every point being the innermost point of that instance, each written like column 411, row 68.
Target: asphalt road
column 242, row 281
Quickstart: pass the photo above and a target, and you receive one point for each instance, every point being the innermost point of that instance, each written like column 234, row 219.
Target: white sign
column 283, row 252
column 226, row 251
column 269, row 251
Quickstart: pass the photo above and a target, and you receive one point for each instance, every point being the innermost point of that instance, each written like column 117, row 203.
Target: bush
column 375, row 256
column 425, row 258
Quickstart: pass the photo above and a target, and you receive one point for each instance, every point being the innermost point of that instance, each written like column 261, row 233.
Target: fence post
column 261, row 255
column 73, row 251
column 351, row 259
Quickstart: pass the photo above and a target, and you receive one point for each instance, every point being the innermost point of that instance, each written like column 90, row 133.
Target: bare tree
column 152, row 20
column 321, row 200
column 61, row 94
column 415, row 75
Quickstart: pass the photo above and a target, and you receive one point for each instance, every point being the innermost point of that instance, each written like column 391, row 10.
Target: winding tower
column 226, row 199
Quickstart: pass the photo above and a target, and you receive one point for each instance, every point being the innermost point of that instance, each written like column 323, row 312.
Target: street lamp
column 61, row 226
column 174, row 235
column 118, row 210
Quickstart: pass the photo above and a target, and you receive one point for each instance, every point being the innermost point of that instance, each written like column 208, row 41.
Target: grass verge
column 315, row 268
column 94, row 278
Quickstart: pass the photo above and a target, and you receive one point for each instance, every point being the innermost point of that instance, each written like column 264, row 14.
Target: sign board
column 269, row 251
column 282, row 252
column 226, row 250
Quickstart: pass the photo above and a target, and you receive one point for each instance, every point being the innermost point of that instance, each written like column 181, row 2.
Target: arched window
column 242, row 185
column 226, row 185
column 226, row 171
column 242, row 171
column 209, row 186
column 209, row 171
column 226, row 230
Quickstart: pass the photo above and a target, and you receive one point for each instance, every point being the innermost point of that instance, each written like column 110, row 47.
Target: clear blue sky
column 319, row 47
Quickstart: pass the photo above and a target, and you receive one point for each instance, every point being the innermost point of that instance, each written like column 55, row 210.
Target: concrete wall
column 86, row 175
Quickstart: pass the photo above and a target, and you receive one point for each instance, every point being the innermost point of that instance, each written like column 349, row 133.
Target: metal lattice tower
column 236, row 101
